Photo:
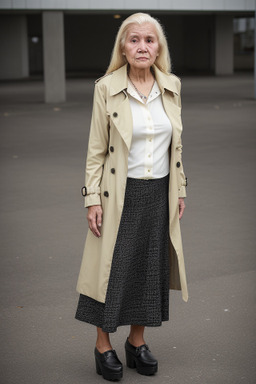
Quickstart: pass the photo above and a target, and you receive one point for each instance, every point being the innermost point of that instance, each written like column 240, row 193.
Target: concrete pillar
column 54, row 59
column 224, row 51
column 13, row 47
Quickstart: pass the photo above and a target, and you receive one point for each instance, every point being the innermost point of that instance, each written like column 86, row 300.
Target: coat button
column 111, row 149
column 178, row 164
column 84, row 191
column 113, row 170
column 115, row 114
column 106, row 194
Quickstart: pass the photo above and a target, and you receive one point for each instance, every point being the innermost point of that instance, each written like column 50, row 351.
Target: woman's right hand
column 94, row 217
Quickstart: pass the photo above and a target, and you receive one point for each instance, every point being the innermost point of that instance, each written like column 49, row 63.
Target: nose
column 142, row 46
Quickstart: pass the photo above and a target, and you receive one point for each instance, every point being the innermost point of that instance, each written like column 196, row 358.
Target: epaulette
column 102, row 77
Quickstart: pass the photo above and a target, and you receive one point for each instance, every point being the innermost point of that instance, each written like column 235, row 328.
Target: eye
column 133, row 40
column 149, row 40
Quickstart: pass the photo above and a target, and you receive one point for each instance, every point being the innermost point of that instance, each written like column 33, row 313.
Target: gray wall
column 35, row 48
column 89, row 40
column 13, row 47
column 198, row 43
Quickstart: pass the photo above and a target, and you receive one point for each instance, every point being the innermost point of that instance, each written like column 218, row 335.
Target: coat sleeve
column 183, row 183
column 97, row 147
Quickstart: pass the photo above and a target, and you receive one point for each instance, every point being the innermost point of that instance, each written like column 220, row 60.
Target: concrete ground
column 210, row 339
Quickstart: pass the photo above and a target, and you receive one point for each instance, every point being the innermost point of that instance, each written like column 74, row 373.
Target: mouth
column 142, row 58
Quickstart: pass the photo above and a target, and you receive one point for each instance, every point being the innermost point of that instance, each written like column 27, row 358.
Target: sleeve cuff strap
column 92, row 199
column 182, row 192
column 92, row 190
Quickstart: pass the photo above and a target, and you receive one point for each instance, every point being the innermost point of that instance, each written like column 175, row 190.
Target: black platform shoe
column 140, row 358
column 108, row 365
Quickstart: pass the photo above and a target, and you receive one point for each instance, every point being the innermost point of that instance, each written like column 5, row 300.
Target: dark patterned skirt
column 138, row 288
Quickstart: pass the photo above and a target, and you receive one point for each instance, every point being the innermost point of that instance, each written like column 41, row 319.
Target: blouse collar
column 154, row 93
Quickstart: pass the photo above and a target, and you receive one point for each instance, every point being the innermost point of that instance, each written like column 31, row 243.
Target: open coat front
column 106, row 174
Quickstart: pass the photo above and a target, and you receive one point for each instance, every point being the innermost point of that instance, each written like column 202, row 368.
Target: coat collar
column 119, row 81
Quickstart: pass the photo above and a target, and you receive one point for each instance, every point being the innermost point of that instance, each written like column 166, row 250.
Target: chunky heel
column 130, row 362
column 98, row 370
column 108, row 365
column 140, row 358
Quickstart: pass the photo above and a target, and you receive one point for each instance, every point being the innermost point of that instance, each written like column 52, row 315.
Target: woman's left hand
column 182, row 206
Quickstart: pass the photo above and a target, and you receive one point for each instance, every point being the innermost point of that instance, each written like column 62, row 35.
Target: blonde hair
column 163, row 60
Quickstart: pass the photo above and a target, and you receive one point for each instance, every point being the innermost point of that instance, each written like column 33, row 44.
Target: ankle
column 103, row 346
column 136, row 341
column 103, row 341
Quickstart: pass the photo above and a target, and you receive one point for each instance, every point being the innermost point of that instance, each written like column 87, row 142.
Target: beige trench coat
column 106, row 173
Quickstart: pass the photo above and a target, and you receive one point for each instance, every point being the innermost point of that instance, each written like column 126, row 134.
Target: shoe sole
column 108, row 376
column 131, row 362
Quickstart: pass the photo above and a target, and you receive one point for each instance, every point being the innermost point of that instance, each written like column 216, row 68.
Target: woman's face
column 141, row 45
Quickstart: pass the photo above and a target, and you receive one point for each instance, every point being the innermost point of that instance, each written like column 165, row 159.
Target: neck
column 140, row 75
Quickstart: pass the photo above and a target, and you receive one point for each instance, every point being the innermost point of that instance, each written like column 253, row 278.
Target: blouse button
column 106, row 194
column 113, row 170
column 111, row 149
column 115, row 114
column 178, row 164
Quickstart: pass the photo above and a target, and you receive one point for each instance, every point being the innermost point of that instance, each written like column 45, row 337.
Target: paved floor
column 210, row 339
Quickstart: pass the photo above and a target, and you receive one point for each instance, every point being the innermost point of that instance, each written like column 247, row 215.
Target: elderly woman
column 134, row 191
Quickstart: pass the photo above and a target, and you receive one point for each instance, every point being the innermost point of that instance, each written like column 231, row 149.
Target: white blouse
column 152, row 133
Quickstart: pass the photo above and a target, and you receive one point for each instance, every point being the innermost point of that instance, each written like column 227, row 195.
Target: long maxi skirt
column 138, row 288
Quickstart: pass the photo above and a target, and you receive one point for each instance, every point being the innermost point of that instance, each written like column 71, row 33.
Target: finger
column 93, row 225
column 95, row 230
column 181, row 210
column 99, row 219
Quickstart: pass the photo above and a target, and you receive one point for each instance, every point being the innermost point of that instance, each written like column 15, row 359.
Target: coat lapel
column 121, row 116
column 170, row 86
column 174, row 114
column 119, row 106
